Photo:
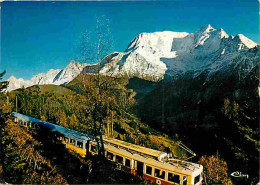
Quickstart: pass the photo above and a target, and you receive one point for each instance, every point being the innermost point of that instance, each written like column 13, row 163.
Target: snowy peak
column 205, row 29
column 74, row 65
column 155, row 41
column 245, row 41
column 11, row 78
column 204, row 33
column 72, row 70
column 53, row 76
column 154, row 46
column 152, row 55
column 237, row 43
column 16, row 80
column 223, row 34
column 15, row 83
column 45, row 78
column 143, row 56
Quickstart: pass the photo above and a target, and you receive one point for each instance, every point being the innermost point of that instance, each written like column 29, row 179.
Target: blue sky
column 38, row 36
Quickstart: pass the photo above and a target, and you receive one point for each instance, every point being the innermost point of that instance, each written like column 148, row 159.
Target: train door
column 140, row 168
column 87, row 147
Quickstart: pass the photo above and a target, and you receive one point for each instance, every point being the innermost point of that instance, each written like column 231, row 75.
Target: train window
column 148, row 170
column 197, row 179
column 93, row 148
column 79, row 144
column 66, row 139
column 159, row 173
column 184, row 180
column 174, row 178
column 119, row 159
column 127, row 162
column 110, row 156
column 72, row 141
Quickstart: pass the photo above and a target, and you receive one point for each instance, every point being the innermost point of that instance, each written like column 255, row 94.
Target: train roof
column 135, row 148
column 65, row 131
column 182, row 167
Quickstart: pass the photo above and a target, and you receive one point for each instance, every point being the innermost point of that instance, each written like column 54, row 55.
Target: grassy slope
column 56, row 89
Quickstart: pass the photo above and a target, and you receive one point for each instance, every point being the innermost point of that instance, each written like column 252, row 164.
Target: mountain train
column 150, row 164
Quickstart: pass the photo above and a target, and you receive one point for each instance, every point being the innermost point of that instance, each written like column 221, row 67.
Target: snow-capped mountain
column 15, row 83
column 45, row 78
column 69, row 73
column 53, row 76
column 153, row 55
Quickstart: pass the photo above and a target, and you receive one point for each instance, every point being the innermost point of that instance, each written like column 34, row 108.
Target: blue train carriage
column 147, row 163
column 74, row 140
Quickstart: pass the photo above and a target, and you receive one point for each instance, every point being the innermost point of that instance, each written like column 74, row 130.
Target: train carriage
column 150, row 164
